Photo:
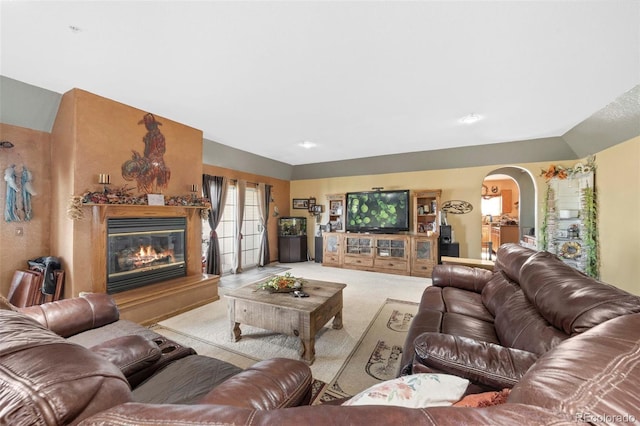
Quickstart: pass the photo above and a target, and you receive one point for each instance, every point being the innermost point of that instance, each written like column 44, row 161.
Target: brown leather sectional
column 567, row 346
column 491, row 327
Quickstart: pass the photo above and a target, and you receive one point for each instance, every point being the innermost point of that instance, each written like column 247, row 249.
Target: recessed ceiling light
column 307, row 144
column 470, row 119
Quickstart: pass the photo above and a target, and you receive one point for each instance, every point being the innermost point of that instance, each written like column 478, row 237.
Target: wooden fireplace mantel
column 102, row 211
column 154, row 302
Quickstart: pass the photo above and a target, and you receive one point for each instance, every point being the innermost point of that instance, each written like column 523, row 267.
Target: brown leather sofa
column 591, row 377
column 491, row 327
column 63, row 361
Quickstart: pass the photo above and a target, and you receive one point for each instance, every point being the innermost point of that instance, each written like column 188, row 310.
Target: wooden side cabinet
column 424, row 255
column 292, row 249
column 332, row 249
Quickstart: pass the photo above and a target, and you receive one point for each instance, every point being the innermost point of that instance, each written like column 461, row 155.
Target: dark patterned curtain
column 264, row 196
column 215, row 189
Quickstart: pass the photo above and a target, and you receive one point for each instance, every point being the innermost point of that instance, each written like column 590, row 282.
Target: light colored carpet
column 207, row 329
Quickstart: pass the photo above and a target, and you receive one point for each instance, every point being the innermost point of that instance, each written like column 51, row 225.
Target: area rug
column 207, row 328
column 376, row 357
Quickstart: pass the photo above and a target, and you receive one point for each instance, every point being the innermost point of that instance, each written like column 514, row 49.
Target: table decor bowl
column 282, row 284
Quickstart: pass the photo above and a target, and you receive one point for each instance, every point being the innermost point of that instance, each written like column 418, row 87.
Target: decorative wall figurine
column 27, row 192
column 18, row 198
column 11, row 205
column 149, row 168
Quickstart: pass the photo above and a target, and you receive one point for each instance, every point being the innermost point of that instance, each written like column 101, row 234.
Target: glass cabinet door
column 390, row 248
column 357, row 245
column 331, row 245
column 424, row 249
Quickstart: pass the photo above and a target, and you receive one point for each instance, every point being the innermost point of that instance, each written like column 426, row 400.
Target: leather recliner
column 46, row 380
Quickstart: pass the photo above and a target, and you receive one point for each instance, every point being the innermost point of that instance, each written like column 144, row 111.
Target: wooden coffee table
column 302, row 317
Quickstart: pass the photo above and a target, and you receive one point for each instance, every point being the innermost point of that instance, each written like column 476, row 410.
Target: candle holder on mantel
column 194, row 191
column 105, row 180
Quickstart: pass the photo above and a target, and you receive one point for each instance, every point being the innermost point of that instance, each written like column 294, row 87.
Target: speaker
column 445, row 234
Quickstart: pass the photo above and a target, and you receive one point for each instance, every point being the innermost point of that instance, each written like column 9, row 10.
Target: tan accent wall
column 618, row 196
column 617, row 186
column 32, row 150
column 279, row 193
column 94, row 135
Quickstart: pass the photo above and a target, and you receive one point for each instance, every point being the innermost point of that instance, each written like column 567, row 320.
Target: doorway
column 508, row 199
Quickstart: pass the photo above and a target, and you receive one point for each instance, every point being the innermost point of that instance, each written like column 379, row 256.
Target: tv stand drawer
column 358, row 261
column 396, row 265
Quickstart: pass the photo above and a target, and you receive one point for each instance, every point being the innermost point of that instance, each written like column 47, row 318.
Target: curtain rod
column 236, row 181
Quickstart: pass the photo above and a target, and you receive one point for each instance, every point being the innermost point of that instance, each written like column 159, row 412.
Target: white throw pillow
column 414, row 391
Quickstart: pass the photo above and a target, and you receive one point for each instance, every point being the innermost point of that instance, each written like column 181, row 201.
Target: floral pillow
column 414, row 391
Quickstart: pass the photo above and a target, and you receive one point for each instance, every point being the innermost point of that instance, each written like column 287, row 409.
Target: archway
column 526, row 202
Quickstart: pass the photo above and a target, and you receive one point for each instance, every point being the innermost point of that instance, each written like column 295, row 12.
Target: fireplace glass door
column 144, row 251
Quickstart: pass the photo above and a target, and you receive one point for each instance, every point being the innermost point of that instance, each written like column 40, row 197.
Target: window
column 250, row 230
column 491, row 206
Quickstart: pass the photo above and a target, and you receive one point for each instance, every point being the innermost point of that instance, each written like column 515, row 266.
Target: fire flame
column 147, row 255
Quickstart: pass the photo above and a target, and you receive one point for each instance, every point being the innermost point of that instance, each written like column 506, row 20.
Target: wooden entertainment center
column 410, row 253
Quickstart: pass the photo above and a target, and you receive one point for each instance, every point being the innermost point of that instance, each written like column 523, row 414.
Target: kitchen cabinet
column 507, row 201
column 501, row 234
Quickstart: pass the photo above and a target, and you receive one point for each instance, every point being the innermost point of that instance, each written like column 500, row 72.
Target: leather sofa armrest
column 270, row 384
column 492, row 365
column 130, row 353
column 460, row 276
column 72, row 316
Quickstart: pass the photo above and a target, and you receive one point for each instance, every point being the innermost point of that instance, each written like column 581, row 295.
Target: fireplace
column 143, row 251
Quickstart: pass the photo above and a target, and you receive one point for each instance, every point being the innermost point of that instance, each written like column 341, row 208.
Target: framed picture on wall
column 301, row 203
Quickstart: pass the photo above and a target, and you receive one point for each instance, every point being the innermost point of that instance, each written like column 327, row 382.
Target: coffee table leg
column 308, row 350
column 236, row 334
column 337, row 321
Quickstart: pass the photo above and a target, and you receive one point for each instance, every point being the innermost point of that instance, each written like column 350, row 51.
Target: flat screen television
column 385, row 212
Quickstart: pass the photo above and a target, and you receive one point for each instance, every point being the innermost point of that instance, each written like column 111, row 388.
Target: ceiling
column 358, row 78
